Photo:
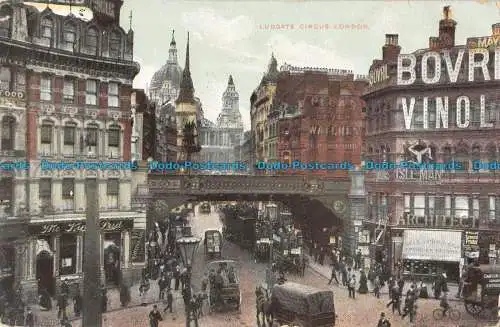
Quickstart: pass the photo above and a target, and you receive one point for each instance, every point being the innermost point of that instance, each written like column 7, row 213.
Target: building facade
column 260, row 106
column 218, row 140
column 433, row 220
column 77, row 80
column 243, row 152
column 317, row 116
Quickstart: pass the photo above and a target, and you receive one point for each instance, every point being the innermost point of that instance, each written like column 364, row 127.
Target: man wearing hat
column 29, row 320
column 383, row 322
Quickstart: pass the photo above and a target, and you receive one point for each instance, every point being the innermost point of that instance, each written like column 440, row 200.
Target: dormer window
column 69, row 35
column 47, row 29
column 115, row 44
column 5, row 21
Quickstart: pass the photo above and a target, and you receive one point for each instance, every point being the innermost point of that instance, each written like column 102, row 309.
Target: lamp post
column 188, row 245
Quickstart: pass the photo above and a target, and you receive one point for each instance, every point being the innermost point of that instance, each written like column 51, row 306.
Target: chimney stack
column 447, row 29
column 391, row 49
column 495, row 29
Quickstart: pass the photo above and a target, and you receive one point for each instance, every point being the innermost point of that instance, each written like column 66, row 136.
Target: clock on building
column 339, row 206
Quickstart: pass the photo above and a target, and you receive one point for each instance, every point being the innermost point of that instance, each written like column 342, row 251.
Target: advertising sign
column 471, row 244
column 80, row 227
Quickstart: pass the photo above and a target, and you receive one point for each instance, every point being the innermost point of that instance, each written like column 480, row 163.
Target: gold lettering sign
column 484, row 42
column 437, row 221
column 378, row 75
column 80, row 227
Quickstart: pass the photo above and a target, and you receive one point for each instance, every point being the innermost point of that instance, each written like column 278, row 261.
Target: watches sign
column 11, row 94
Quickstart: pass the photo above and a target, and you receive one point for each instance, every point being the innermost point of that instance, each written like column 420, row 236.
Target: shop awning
column 432, row 245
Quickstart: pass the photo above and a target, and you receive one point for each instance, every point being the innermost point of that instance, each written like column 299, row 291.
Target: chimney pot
column 495, row 29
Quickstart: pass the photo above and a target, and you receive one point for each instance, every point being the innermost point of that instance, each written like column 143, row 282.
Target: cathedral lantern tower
column 186, row 112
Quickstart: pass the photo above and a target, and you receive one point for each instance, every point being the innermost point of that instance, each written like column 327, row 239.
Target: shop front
column 56, row 254
column 428, row 253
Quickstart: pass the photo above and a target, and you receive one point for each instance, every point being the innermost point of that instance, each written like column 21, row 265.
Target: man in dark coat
column 177, row 276
column 29, row 320
column 383, row 322
column 77, row 304
column 162, row 285
column 155, row 317
column 170, row 301
column 62, row 303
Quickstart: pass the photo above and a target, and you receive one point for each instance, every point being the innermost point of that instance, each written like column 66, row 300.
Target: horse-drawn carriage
column 213, row 243
column 296, row 305
column 482, row 289
column 224, row 285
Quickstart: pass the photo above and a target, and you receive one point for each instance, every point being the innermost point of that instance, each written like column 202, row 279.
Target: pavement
column 326, row 270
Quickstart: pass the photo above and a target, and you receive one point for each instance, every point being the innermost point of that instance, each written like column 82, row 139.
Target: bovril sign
column 11, row 94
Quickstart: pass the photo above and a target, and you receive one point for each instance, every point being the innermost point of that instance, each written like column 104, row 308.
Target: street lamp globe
column 188, row 246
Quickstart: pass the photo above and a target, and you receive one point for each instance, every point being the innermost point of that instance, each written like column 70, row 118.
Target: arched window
column 5, row 21
column 91, row 40
column 91, row 135
column 462, row 156
column 69, row 139
column 47, row 29
column 476, row 153
column 46, row 137
column 8, row 132
column 115, row 45
column 114, row 141
column 5, row 79
column 69, row 34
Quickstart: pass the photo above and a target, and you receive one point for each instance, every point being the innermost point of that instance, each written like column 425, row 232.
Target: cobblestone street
column 360, row 312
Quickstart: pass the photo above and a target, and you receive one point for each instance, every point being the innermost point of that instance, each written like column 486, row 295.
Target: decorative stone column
column 79, row 253
column 357, row 203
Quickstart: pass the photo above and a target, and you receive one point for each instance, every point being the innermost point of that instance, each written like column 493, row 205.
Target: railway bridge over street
column 328, row 203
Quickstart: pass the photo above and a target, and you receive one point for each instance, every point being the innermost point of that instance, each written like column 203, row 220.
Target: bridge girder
column 177, row 189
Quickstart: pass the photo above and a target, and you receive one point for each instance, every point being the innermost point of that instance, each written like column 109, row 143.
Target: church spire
column 186, row 92
column 172, row 52
column 230, row 82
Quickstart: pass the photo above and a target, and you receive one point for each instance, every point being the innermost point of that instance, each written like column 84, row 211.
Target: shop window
column 113, row 192
column 69, row 139
column 5, row 79
column 8, row 132
column 115, row 45
column 114, row 141
column 492, row 207
column 45, row 193
column 69, row 91
column 68, row 193
column 91, row 93
column 113, row 95
column 462, row 206
column 46, row 88
column 419, row 205
column 6, row 14
column 447, row 205
column 91, row 40
column 91, row 134
column 68, row 248
column 46, row 137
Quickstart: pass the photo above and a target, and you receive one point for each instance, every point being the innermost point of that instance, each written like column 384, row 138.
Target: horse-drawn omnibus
column 302, row 305
column 482, row 289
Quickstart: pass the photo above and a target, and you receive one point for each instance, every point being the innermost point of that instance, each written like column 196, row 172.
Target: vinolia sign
column 477, row 60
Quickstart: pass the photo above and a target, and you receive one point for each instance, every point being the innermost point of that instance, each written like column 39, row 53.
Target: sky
column 235, row 37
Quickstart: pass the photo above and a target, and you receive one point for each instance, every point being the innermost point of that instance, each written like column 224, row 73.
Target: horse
column 263, row 306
